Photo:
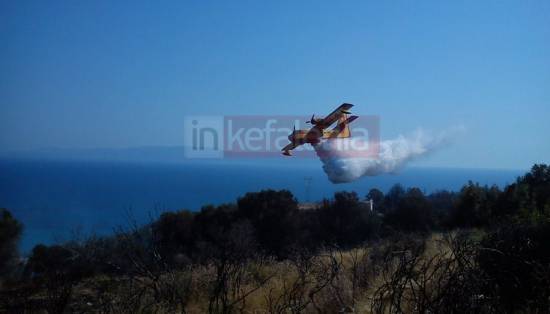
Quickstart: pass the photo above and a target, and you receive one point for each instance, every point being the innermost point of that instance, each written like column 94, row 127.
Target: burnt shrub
column 516, row 258
column 57, row 269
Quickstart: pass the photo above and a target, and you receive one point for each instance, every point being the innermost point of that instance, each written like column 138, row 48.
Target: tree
column 274, row 216
column 377, row 197
column 346, row 221
column 538, row 181
column 10, row 231
column 393, row 196
column 173, row 232
column 413, row 212
column 530, row 194
column 475, row 205
column 442, row 204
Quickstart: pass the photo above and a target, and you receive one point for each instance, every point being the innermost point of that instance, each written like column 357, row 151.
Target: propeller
column 312, row 120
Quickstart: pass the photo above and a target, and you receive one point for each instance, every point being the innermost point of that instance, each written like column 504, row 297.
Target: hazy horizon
column 174, row 154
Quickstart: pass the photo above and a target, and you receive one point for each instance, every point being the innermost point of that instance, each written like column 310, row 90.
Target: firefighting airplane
column 318, row 131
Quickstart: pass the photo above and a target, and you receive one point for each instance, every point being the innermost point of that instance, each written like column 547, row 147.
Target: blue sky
column 79, row 74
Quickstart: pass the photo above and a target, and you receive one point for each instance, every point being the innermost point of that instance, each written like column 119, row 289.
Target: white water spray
column 344, row 161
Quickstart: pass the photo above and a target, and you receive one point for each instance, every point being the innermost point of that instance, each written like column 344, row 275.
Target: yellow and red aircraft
column 318, row 131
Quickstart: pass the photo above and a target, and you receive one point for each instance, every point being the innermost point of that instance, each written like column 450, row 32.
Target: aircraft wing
column 286, row 150
column 336, row 114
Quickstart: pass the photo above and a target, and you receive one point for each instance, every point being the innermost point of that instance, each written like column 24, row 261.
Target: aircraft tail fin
column 342, row 128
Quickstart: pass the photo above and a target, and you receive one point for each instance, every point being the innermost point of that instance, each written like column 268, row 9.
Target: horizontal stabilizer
column 341, row 129
column 342, row 124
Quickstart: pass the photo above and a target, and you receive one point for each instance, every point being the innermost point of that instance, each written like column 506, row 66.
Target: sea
column 57, row 200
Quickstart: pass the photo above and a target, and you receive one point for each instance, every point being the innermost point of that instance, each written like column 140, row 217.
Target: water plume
column 346, row 159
